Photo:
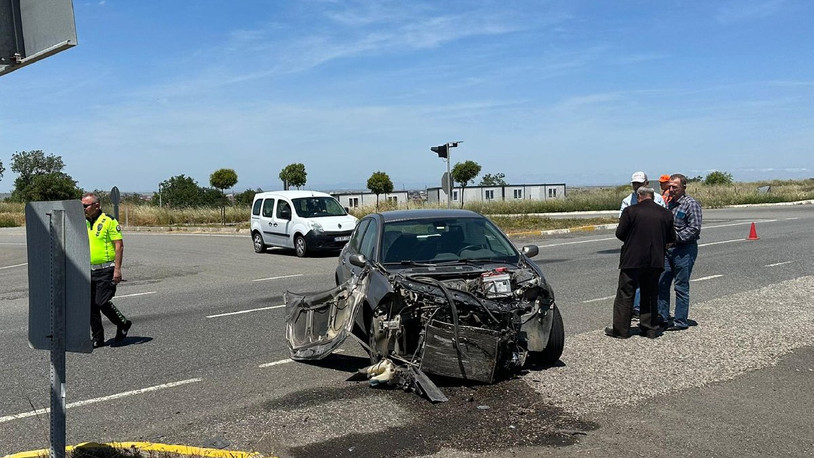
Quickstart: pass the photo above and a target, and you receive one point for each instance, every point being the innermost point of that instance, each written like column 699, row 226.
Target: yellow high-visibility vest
column 101, row 235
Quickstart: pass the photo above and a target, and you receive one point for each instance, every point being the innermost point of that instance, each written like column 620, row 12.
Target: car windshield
column 443, row 240
column 315, row 207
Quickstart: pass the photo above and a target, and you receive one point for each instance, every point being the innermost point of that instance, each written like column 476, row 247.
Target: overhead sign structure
column 31, row 30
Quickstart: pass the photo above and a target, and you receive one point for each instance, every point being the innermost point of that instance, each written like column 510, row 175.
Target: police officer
column 106, row 250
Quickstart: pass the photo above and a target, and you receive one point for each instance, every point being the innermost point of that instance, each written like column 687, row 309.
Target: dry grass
column 578, row 199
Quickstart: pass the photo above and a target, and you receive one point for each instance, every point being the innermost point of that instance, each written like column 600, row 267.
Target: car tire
column 257, row 241
column 300, row 246
column 375, row 356
column 556, row 342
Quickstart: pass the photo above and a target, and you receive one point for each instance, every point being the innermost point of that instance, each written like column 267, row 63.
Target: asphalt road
column 206, row 362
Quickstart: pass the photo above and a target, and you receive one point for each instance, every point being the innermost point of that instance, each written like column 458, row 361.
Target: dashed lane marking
column 136, row 294
column 706, row 278
column 599, row 299
column 277, row 278
column 778, row 264
column 239, row 312
column 722, row 241
column 15, row 265
column 18, row 416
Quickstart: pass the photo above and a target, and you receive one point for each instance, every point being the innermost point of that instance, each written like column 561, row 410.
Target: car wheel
column 300, row 246
column 373, row 352
column 257, row 240
column 556, row 342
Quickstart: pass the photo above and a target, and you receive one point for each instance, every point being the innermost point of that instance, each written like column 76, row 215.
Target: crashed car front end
column 475, row 323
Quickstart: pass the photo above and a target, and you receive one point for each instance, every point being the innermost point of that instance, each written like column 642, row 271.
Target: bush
column 718, row 178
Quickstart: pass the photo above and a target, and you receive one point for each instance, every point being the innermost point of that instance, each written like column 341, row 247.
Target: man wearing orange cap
column 664, row 182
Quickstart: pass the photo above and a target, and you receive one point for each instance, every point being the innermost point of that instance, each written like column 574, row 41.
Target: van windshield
column 316, row 207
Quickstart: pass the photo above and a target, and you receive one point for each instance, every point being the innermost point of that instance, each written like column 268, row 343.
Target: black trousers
column 102, row 290
column 647, row 280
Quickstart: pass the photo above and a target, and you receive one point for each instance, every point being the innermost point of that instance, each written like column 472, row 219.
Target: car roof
column 404, row 215
column 291, row 194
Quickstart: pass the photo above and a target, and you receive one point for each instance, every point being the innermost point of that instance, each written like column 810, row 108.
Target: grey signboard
column 31, row 30
column 64, row 276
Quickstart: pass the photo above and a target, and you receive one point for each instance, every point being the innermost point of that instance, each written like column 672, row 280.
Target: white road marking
column 743, row 223
column 135, row 294
column 101, row 399
column 245, row 311
column 277, row 363
column 15, row 265
column 289, row 360
column 706, row 278
column 718, row 243
column 599, row 299
column 792, row 219
column 276, row 278
column 578, row 241
column 778, row 264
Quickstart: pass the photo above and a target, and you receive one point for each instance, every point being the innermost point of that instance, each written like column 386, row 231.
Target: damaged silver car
column 438, row 292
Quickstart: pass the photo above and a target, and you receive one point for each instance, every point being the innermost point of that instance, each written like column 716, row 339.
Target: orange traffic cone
column 752, row 233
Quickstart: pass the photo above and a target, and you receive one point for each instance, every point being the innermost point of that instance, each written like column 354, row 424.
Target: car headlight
column 316, row 227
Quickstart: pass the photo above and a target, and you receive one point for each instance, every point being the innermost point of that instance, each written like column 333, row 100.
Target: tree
column 379, row 183
column 717, row 177
column 222, row 179
column 40, row 177
column 246, row 197
column 2, row 169
column 463, row 173
column 179, row 191
column 293, row 175
column 493, row 180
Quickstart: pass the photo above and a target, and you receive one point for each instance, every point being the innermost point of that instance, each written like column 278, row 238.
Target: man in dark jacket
column 646, row 229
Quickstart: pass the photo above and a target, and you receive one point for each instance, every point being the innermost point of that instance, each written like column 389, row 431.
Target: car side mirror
column 531, row 251
column 358, row 260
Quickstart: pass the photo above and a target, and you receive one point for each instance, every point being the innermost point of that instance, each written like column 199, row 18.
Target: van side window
column 256, row 207
column 283, row 209
column 268, row 208
column 356, row 240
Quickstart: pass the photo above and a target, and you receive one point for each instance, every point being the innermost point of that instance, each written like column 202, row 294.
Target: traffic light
column 442, row 151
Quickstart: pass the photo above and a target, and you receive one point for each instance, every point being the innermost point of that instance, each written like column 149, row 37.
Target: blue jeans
column 678, row 263
column 637, row 299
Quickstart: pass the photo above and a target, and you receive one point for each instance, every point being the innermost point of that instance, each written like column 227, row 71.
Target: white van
column 302, row 220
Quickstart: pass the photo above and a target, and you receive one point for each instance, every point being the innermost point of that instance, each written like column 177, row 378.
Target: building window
column 353, row 202
column 393, row 200
column 518, row 193
column 552, row 192
column 454, row 195
column 489, row 194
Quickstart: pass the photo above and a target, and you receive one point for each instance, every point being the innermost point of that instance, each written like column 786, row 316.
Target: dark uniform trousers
column 647, row 279
column 102, row 290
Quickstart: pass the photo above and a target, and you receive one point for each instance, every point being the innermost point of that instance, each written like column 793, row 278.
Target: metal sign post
column 58, row 294
column 57, row 333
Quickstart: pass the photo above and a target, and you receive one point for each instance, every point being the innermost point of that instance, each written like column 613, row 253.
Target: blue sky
column 581, row 92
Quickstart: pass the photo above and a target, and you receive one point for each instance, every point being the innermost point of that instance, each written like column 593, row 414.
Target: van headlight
column 316, row 227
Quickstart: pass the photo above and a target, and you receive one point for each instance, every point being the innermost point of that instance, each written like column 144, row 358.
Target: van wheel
column 257, row 241
column 300, row 247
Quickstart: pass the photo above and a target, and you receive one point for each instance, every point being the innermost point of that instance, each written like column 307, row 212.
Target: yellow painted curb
column 148, row 446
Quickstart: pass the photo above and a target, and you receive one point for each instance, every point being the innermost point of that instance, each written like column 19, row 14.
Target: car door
column 266, row 219
column 282, row 224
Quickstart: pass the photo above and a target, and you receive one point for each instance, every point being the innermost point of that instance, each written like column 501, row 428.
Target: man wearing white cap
column 638, row 180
